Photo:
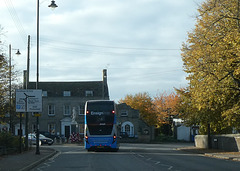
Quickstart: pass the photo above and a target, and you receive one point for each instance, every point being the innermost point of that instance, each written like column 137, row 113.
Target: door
column 67, row 132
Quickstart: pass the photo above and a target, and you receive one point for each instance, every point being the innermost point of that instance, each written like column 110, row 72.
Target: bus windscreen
column 100, row 117
column 100, row 108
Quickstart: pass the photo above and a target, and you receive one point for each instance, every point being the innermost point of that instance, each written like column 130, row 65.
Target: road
column 140, row 157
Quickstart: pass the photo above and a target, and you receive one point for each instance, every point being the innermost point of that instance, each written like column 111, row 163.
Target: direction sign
column 28, row 100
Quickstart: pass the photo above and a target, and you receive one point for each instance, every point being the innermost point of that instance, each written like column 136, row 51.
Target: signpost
column 28, row 100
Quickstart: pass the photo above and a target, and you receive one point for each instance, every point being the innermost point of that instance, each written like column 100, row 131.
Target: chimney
column 104, row 85
column 104, row 76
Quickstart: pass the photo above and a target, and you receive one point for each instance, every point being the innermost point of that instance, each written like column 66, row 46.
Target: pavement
column 25, row 161
column 215, row 153
column 29, row 159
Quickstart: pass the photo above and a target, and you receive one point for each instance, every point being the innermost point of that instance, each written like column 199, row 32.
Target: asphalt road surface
column 131, row 157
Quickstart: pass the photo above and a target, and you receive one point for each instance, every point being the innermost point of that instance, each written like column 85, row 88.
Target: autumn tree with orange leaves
column 154, row 111
column 166, row 107
column 144, row 103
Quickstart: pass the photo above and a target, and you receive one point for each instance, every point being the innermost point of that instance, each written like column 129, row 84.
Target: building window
column 51, row 110
column 67, row 93
column 89, row 93
column 81, row 110
column 127, row 129
column 124, row 113
column 67, row 110
column 44, row 93
column 51, row 128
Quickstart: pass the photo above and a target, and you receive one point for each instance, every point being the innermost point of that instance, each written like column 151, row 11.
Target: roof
column 77, row 89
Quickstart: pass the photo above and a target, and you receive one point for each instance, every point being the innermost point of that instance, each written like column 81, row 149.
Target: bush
column 9, row 141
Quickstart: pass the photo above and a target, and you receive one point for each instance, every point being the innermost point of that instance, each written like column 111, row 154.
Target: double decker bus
column 100, row 125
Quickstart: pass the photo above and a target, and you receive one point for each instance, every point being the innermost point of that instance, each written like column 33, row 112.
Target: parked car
column 56, row 137
column 32, row 140
column 49, row 135
column 45, row 140
column 42, row 138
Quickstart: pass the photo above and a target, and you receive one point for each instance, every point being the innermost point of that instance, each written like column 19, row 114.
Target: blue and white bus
column 100, row 125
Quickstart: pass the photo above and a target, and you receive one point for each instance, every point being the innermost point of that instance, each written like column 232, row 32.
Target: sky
column 137, row 41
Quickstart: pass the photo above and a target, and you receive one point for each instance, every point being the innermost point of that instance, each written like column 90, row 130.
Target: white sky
column 138, row 41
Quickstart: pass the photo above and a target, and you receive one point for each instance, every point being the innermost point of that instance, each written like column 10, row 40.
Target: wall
column 226, row 142
column 201, row 141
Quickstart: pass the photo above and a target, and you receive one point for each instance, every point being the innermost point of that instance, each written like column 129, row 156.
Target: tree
column 144, row 103
column 3, row 79
column 3, row 86
column 211, row 58
column 166, row 107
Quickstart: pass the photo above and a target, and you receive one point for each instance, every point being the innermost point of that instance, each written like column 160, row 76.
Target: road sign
column 28, row 100
column 37, row 114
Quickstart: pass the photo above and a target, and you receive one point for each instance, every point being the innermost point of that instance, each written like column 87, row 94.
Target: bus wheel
column 115, row 149
column 90, row 149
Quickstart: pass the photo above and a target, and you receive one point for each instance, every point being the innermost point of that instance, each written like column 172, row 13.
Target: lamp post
column 52, row 5
column 10, row 85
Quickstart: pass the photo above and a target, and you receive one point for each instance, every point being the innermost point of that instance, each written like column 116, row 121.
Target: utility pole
column 37, row 120
column 27, row 82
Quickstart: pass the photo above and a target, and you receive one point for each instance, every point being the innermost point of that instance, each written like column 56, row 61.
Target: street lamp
column 52, row 5
column 10, row 84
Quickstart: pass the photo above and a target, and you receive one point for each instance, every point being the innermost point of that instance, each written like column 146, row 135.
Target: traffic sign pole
column 30, row 100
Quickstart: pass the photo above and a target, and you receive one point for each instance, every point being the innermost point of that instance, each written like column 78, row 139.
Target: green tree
column 212, row 59
column 144, row 103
